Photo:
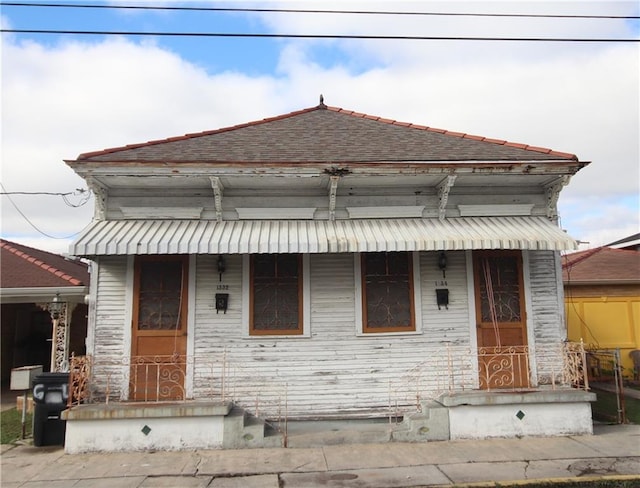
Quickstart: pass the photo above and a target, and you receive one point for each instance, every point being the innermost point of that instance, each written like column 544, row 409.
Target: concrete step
column 320, row 433
column 243, row 430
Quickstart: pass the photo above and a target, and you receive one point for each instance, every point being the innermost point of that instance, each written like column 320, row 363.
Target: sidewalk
column 612, row 452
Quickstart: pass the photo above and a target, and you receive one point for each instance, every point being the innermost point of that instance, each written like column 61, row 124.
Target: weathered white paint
column 471, row 295
column 526, row 280
column 128, row 332
column 396, row 211
column 92, row 308
column 546, row 311
column 126, row 434
column 331, row 370
column 110, row 324
column 191, row 325
column 540, row 419
column 482, row 210
column 161, row 212
column 562, row 322
column 275, row 213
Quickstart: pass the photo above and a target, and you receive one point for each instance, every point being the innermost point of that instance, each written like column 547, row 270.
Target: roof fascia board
column 600, row 282
column 31, row 294
column 208, row 169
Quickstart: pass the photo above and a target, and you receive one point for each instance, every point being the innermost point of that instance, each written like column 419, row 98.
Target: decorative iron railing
column 452, row 368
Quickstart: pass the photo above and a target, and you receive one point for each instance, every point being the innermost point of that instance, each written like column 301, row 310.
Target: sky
column 63, row 95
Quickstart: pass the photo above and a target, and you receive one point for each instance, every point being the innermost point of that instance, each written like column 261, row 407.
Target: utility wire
column 315, row 11
column 7, row 194
column 316, row 36
column 41, row 192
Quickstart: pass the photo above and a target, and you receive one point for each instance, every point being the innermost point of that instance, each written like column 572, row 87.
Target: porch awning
column 122, row 237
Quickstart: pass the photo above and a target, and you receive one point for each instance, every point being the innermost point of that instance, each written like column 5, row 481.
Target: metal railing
column 450, row 369
column 604, row 370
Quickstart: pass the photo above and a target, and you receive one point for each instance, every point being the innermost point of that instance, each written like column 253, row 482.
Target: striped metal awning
column 122, row 237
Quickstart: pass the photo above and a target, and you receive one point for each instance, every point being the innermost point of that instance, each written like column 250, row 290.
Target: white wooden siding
column 111, row 325
column 547, row 311
column 333, row 371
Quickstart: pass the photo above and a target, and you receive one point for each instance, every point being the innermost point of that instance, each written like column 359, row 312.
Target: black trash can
column 50, row 394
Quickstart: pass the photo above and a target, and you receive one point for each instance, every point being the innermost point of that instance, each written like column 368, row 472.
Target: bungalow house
column 326, row 264
column 602, row 295
column 30, row 279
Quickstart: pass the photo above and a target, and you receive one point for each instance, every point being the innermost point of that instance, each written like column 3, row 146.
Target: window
column 387, row 292
column 276, row 301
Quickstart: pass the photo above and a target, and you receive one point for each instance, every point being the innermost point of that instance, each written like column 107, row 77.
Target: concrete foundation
column 202, row 425
column 138, row 427
column 482, row 415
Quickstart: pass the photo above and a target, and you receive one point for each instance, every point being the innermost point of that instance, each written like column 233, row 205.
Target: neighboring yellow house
column 602, row 300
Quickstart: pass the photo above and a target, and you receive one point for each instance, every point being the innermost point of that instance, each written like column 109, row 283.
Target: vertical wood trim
column 306, row 295
column 246, row 294
column 563, row 325
column 191, row 324
column 528, row 307
column 90, row 340
column 128, row 323
column 417, row 292
column 471, row 300
column 357, row 279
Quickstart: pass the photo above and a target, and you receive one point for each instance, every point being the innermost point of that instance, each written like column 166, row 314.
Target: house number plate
column 222, row 287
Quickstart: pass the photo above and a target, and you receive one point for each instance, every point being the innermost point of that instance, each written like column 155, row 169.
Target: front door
column 159, row 328
column 501, row 319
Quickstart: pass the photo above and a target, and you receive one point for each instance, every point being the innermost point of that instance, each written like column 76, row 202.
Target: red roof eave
column 41, row 264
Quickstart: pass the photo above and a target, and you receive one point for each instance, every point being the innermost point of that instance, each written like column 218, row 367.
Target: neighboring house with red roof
column 326, row 263
column 629, row 242
column 602, row 295
column 29, row 280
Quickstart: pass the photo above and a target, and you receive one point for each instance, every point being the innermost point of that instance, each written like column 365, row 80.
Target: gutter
column 39, row 294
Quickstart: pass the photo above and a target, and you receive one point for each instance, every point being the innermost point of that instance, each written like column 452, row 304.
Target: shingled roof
column 26, row 267
column 601, row 265
column 324, row 134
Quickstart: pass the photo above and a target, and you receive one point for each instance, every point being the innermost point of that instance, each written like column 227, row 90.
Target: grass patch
column 11, row 425
column 605, row 407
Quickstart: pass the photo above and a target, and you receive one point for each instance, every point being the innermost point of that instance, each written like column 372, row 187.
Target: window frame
column 304, row 307
column 414, row 299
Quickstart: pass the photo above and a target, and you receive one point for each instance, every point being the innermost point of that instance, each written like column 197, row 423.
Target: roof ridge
column 10, row 246
column 322, row 106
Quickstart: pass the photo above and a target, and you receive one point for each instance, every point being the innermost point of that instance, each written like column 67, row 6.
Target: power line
column 7, row 194
column 314, row 36
column 41, row 192
column 317, row 11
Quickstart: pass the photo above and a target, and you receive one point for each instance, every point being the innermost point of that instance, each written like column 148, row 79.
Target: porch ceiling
column 123, row 237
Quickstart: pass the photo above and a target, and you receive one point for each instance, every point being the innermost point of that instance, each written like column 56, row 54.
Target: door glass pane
column 160, row 295
column 500, row 289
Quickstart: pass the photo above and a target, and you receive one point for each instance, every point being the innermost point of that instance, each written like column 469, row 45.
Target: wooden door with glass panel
column 501, row 319
column 159, row 328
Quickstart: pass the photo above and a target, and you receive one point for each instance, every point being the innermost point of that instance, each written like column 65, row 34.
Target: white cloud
column 61, row 100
